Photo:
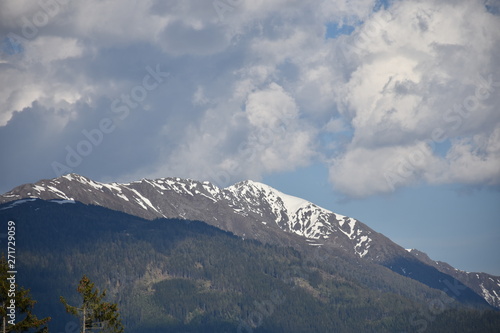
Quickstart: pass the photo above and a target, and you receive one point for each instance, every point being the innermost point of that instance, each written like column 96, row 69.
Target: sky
column 386, row 111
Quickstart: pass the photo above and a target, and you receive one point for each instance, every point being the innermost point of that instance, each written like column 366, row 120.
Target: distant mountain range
column 254, row 210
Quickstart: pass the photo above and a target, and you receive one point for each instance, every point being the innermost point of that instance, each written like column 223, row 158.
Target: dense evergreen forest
column 187, row 276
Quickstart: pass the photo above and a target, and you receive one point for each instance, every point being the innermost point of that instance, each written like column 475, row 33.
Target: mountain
column 173, row 275
column 483, row 284
column 254, row 210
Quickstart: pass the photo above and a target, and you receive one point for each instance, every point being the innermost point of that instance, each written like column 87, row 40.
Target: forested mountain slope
column 171, row 275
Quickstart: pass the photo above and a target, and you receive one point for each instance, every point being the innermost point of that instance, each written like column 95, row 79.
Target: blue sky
column 447, row 222
column 386, row 111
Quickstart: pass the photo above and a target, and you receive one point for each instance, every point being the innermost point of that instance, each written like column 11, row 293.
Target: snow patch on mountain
column 60, row 193
column 142, row 200
column 299, row 216
column 278, row 199
column 18, row 202
column 487, row 295
column 39, row 188
column 61, row 202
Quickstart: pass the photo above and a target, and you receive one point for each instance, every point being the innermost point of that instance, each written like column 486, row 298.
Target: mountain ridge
column 253, row 210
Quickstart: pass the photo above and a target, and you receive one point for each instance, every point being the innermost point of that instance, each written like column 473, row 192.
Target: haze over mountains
column 254, row 210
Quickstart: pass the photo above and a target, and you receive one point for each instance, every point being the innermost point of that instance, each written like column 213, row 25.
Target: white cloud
column 108, row 23
column 270, row 107
column 260, row 90
column 231, row 143
column 411, row 67
column 12, row 12
column 472, row 161
column 46, row 49
column 362, row 172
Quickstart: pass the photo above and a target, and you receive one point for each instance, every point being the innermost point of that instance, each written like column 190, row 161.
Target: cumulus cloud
column 379, row 170
column 251, row 90
column 420, row 76
column 257, row 133
column 474, row 160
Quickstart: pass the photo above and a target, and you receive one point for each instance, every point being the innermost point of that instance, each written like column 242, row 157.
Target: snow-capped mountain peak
column 252, row 191
column 302, row 217
column 191, row 199
column 281, row 200
column 248, row 209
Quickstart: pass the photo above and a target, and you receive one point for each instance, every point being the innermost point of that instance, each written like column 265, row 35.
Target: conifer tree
column 96, row 315
column 16, row 305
